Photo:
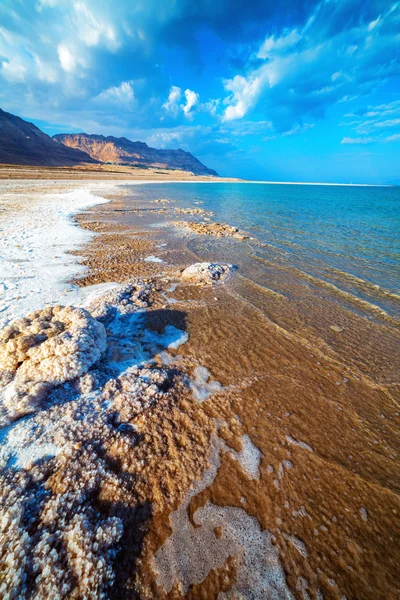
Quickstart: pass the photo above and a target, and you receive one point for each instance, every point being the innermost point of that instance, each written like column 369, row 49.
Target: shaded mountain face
column 22, row 143
column 123, row 151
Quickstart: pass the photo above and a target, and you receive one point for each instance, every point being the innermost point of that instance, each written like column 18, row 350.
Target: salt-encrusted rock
column 45, row 349
column 207, row 272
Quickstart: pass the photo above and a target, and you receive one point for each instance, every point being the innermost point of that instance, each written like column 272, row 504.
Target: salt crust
column 36, row 232
column 190, row 553
column 66, row 548
column 249, row 457
column 201, row 385
column 208, row 273
column 44, row 349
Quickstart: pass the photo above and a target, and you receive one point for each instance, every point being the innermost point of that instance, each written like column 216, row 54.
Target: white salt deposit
column 249, row 457
column 296, row 543
column 42, row 350
column 301, row 444
column 202, row 386
column 130, row 343
column 190, row 553
column 209, row 273
column 36, row 230
column 154, row 259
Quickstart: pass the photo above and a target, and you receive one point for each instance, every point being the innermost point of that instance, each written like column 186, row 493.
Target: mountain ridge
column 124, row 151
column 22, row 143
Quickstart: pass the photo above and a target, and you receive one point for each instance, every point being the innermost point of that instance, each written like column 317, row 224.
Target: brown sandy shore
column 100, row 172
column 315, row 402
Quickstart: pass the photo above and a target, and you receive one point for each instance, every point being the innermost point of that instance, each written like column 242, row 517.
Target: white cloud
column 172, row 104
column 66, row 58
column 192, row 100
column 45, row 71
column 13, row 70
column 388, row 123
column 122, row 94
column 373, row 24
column 299, row 74
column 211, row 106
column 273, row 45
column 359, row 140
column 244, row 93
column 298, row 129
column 94, row 29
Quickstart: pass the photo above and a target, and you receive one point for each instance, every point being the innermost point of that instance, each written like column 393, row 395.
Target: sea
column 347, row 237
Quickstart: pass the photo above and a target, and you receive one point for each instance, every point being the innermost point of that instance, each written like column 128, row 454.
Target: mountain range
column 22, row 143
column 123, row 151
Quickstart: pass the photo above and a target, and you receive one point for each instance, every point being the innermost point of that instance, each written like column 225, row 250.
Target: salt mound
column 207, row 272
column 124, row 300
column 42, row 350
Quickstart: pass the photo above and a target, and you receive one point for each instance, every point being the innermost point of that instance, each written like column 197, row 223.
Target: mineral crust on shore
column 208, row 273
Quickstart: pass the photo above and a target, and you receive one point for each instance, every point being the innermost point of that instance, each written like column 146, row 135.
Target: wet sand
column 287, row 470
column 319, row 401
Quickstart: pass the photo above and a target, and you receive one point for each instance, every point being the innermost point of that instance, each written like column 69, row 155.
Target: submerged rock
column 45, row 349
column 214, row 229
column 207, row 272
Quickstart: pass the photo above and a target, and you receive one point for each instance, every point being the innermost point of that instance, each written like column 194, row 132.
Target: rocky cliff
column 124, row 151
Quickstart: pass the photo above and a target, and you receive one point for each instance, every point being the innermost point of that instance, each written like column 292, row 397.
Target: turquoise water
column 348, row 236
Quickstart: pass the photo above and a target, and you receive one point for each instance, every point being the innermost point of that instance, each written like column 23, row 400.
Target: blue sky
column 263, row 89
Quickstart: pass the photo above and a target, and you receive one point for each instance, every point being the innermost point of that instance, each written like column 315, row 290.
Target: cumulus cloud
column 172, row 104
column 244, row 94
column 122, row 94
column 192, row 99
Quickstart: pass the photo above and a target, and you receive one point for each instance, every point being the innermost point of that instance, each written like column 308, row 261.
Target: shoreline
column 150, row 175
column 246, row 375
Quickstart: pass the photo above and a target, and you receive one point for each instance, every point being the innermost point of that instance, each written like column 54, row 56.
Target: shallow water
column 346, row 236
column 272, row 366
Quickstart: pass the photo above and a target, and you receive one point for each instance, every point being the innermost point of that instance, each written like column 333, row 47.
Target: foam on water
column 249, row 457
column 190, row 553
column 202, row 386
column 154, row 259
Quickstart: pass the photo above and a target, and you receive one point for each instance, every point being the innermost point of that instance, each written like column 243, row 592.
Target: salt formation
column 249, row 457
column 43, row 350
column 190, row 553
column 59, row 532
column 58, row 542
column 207, row 272
column 202, row 386
column 125, row 299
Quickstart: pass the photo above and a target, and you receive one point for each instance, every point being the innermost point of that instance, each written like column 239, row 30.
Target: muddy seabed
column 268, row 465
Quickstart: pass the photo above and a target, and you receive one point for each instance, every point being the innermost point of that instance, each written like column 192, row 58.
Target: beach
column 237, row 435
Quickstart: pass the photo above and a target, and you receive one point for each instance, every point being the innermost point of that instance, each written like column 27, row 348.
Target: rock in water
column 207, row 272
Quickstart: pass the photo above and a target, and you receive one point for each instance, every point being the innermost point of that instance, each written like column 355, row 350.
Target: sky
column 261, row 89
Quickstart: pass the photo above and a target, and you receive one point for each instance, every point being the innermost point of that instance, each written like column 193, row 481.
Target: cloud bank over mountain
column 260, row 80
